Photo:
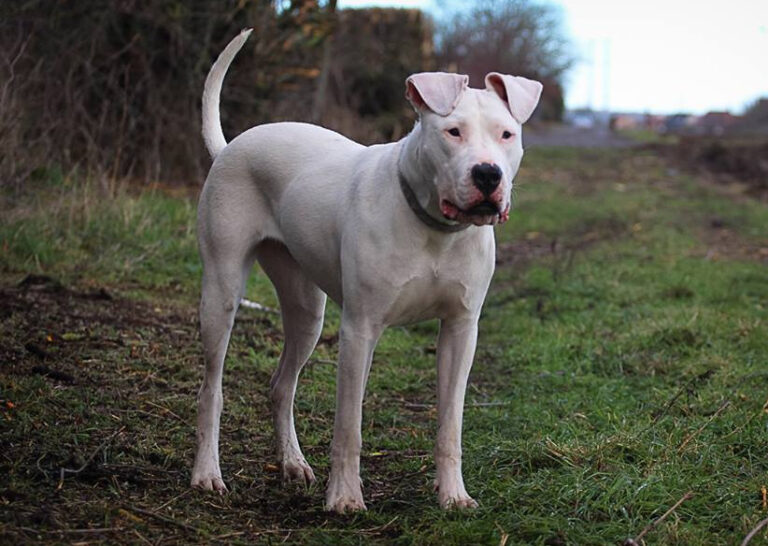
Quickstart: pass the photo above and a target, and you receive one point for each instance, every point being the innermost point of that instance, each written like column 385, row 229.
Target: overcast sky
column 659, row 56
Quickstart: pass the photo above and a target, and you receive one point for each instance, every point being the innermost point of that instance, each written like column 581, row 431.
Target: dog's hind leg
column 302, row 305
column 226, row 264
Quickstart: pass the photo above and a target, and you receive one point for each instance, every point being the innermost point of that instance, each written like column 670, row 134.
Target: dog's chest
column 425, row 280
column 427, row 295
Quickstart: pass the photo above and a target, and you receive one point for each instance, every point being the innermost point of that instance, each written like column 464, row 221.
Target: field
column 621, row 368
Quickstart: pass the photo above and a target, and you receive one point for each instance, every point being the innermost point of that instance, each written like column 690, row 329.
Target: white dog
column 394, row 233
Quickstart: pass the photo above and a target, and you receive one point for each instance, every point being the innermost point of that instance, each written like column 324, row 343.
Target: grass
column 648, row 136
column 620, row 365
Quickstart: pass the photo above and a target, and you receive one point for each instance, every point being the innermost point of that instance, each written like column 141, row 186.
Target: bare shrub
column 112, row 89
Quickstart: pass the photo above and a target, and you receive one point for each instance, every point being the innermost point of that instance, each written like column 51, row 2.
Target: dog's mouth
column 483, row 213
column 483, row 209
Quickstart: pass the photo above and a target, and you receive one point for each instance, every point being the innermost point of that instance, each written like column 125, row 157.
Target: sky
column 658, row 56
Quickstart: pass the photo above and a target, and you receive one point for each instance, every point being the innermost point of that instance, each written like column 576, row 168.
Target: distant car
column 583, row 121
column 676, row 123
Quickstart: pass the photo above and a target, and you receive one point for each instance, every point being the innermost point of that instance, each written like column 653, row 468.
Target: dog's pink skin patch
column 449, row 210
column 497, row 196
column 504, row 216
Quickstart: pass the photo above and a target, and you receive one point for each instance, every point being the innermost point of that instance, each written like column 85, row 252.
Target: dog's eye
column 454, row 131
column 506, row 135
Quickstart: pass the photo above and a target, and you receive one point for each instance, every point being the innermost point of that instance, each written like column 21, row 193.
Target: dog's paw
column 458, row 499
column 297, row 470
column 209, row 482
column 343, row 505
column 458, row 503
column 344, row 496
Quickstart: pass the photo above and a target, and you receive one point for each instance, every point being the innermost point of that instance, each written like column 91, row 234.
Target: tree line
column 112, row 88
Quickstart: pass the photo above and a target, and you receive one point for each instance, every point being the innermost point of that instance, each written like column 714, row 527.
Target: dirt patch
column 722, row 241
column 53, row 331
column 536, row 246
column 88, row 407
column 517, row 254
column 726, row 160
column 97, row 401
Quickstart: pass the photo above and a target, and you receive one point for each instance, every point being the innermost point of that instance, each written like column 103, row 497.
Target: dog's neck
column 419, row 174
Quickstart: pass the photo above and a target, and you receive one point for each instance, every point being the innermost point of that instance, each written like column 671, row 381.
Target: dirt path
column 567, row 135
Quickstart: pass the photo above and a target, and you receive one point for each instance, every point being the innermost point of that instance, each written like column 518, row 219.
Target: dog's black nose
column 486, row 177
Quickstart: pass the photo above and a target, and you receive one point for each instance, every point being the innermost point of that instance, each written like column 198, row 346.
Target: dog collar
column 422, row 214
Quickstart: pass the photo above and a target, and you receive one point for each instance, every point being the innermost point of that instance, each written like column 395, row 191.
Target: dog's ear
column 520, row 94
column 436, row 91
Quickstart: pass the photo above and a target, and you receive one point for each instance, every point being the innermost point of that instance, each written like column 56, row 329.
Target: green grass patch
column 620, row 365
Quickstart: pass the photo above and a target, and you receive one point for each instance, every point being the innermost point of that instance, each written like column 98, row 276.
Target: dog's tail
column 212, row 132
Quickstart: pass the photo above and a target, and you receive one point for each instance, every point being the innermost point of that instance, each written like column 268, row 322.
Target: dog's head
column 472, row 139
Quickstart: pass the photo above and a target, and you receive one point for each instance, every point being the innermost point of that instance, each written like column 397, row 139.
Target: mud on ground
column 727, row 160
column 101, row 434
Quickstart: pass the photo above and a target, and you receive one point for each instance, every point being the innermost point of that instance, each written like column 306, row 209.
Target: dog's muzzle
column 486, row 210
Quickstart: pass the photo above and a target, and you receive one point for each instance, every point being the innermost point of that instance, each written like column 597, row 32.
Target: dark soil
column 728, row 160
column 99, row 392
column 61, row 327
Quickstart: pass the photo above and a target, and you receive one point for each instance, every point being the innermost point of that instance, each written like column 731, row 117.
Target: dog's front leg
column 455, row 351
column 356, row 344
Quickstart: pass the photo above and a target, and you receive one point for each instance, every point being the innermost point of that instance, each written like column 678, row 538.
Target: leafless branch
column 64, row 471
